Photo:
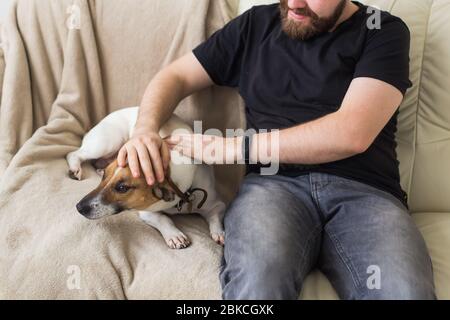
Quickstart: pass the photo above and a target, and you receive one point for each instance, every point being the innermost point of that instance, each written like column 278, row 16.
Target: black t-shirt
column 287, row 82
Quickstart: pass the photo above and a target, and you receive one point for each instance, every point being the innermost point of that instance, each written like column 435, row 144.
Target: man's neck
column 349, row 10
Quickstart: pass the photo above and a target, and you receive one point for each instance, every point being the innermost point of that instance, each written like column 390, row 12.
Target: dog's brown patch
column 119, row 187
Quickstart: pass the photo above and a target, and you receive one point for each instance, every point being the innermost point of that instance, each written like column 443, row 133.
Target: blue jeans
column 362, row 238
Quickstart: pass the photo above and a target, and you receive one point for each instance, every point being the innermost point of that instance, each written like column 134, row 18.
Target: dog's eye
column 122, row 187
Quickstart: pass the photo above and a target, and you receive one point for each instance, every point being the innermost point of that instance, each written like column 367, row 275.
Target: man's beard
column 317, row 25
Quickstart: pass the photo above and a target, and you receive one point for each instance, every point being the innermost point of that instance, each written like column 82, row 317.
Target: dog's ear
column 103, row 163
column 163, row 193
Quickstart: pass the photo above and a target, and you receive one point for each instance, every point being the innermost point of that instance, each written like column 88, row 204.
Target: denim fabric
column 362, row 238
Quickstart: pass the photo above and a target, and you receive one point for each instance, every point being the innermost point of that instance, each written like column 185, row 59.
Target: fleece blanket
column 67, row 64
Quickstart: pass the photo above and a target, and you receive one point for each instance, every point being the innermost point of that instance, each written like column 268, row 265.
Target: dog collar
column 188, row 196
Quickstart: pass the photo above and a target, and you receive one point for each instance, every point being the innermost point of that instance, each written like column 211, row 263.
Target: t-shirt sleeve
column 221, row 55
column 386, row 55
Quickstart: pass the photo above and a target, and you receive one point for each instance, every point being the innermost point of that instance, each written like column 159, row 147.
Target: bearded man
column 330, row 75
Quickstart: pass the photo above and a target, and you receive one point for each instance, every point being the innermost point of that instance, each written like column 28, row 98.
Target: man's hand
column 148, row 151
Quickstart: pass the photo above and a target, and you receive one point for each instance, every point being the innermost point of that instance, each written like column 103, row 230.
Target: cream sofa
column 58, row 82
column 423, row 133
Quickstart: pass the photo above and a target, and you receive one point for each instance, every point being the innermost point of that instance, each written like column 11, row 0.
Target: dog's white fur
column 104, row 141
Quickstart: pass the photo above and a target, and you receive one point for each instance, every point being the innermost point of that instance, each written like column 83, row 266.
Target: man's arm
column 365, row 111
column 171, row 85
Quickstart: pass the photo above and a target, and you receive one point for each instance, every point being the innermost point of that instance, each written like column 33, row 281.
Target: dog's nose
column 83, row 208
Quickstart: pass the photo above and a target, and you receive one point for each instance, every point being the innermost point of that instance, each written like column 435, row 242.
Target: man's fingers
column 121, row 157
column 133, row 161
column 172, row 140
column 185, row 150
column 165, row 154
column 157, row 162
column 146, row 165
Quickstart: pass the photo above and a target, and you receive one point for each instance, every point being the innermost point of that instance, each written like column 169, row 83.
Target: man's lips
column 296, row 16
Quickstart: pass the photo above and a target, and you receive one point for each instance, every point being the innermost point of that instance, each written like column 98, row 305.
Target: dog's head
column 120, row 191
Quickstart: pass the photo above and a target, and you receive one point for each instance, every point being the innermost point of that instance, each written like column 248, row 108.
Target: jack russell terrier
column 188, row 186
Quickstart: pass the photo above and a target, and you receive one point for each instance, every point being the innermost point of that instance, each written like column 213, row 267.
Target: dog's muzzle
column 83, row 208
column 93, row 208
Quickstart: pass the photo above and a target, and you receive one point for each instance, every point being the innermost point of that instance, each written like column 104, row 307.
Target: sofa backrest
column 423, row 134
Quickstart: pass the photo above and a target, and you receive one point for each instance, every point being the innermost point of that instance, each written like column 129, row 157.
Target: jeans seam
column 345, row 259
column 308, row 245
column 316, row 198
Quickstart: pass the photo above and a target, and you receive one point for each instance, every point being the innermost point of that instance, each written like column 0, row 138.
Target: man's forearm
column 161, row 97
column 323, row 140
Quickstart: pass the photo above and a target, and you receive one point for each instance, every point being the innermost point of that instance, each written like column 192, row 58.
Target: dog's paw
column 178, row 241
column 218, row 237
column 75, row 174
column 74, row 162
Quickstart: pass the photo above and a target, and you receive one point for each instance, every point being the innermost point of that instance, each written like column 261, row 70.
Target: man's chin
column 299, row 31
column 299, row 24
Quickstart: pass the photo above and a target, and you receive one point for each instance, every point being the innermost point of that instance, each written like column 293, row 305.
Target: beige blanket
column 68, row 64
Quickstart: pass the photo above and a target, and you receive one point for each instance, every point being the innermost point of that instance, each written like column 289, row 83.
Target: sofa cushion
column 425, row 116
column 435, row 228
